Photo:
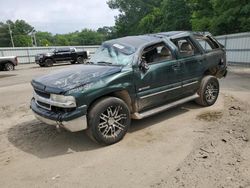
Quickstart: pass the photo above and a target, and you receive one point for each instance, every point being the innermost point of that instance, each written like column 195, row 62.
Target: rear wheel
column 9, row 66
column 108, row 120
column 48, row 63
column 209, row 91
column 80, row 59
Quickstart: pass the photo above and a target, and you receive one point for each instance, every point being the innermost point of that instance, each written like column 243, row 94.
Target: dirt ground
column 188, row 146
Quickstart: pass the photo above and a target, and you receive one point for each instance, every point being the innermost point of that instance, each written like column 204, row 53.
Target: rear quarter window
column 206, row 43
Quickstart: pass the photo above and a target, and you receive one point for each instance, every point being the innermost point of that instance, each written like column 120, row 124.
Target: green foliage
column 20, row 31
column 148, row 16
column 140, row 17
column 4, row 35
column 44, row 38
column 177, row 15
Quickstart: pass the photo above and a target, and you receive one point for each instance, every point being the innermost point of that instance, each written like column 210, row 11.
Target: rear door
column 63, row 54
column 193, row 64
column 215, row 54
column 161, row 82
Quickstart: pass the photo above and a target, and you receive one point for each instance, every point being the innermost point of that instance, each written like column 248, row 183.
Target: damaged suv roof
column 140, row 40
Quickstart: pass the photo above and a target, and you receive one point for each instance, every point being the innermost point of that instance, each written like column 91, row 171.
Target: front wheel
column 48, row 63
column 9, row 67
column 108, row 120
column 209, row 91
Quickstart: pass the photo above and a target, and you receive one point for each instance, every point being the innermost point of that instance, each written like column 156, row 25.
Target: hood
column 67, row 79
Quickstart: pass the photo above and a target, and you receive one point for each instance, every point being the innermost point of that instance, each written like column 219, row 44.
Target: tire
column 48, row 63
column 9, row 66
column 108, row 120
column 41, row 65
column 80, row 59
column 209, row 91
column 72, row 62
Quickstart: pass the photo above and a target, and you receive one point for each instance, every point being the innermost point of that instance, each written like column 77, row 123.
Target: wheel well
column 122, row 94
column 211, row 71
column 49, row 59
column 9, row 62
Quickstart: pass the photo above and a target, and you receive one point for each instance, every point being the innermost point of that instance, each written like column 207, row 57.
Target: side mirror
column 143, row 64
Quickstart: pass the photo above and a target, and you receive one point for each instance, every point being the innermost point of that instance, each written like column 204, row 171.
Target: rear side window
column 186, row 47
column 64, row 50
column 206, row 43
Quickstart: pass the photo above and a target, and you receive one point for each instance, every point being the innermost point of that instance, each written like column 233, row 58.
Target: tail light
column 16, row 60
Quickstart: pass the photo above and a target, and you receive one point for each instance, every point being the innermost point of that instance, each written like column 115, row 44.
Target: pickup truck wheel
column 209, row 91
column 80, row 59
column 48, row 63
column 108, row 120
column 9, row 67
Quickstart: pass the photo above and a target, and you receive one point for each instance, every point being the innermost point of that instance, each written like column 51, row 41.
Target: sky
column 59, row 16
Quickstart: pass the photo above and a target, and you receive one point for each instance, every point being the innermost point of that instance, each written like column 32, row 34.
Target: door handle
column 176, row 66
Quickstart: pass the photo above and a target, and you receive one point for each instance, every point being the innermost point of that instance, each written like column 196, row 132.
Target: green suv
column 131, row 78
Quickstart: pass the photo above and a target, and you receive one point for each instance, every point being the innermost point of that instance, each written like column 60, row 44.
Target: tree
column 44, row 38
column 20, row 32
column 202, row 15
column 131, row 13
column 4, row 35
column 107, row 32
column 152, row 22
column 230, row 16
column 176, row 15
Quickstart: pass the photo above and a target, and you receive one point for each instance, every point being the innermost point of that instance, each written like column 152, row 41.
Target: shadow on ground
column 45, row 141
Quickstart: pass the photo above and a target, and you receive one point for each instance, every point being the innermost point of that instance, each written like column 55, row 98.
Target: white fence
column 237, row 47
column 27, row 54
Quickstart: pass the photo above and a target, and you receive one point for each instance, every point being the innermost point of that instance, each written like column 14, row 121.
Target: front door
column 162, row 81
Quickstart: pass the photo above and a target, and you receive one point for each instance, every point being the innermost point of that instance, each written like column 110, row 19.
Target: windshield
column 111, row 55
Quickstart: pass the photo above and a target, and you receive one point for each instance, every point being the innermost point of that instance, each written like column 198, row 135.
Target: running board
column 164, row 107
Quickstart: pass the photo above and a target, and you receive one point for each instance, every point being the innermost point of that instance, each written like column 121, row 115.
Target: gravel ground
column 187, row 146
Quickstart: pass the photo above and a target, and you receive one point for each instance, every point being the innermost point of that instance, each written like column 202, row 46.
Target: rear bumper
column 72, row 121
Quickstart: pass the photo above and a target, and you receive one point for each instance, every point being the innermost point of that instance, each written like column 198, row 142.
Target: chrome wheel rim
column 9, row 67
column 112, row 122
column 80, row 60
column 211, row 92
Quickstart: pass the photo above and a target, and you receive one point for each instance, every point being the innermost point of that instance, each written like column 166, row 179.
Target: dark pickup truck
column 61, row 55
column 131, row 77
column 8, row 63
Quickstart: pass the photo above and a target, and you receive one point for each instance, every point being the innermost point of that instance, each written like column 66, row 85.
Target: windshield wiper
column 104, row 62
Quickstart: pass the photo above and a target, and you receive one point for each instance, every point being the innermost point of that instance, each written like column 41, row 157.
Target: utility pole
column 33, row 38
column 11, row 38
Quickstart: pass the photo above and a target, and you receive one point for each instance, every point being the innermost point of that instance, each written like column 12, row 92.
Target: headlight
column 63, row 101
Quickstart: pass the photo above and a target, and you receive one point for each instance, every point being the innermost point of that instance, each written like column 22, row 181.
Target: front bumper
column 72, row 121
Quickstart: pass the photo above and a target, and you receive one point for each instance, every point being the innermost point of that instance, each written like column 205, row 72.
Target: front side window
column 157, row 53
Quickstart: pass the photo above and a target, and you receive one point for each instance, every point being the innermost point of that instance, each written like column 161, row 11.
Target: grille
column 42, row 94
column 44, row 105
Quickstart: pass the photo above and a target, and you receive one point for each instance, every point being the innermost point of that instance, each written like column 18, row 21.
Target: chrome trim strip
column 144, row 88
column 195, row 82
column 157, row 93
